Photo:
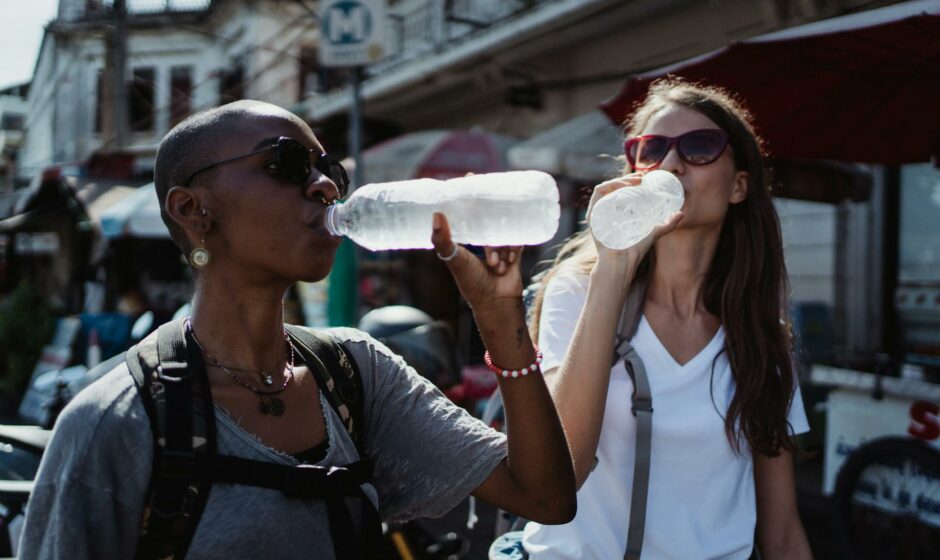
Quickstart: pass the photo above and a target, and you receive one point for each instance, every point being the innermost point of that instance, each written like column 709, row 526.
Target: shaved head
column 199, row 141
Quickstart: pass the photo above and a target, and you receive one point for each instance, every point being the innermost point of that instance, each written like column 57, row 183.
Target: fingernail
column 436, row 221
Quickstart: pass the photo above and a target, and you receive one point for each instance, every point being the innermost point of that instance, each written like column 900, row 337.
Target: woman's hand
column 482, row 282
column 630, row 256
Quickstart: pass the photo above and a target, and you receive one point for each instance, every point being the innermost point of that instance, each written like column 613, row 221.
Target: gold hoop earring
column 200, row 256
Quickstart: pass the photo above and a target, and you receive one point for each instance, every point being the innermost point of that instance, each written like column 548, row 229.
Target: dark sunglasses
column 696, row 147
column 292, row 163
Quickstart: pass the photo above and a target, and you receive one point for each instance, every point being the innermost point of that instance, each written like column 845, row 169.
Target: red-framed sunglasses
column 291, row 162
column 696, row 147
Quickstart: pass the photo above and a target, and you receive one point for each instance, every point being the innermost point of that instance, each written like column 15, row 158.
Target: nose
column 321, row 188
column 672, row 162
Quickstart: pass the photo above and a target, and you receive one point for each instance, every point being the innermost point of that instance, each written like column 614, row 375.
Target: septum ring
column 449, row 257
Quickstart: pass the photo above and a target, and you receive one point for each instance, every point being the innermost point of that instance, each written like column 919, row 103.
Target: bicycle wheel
column 887, row 501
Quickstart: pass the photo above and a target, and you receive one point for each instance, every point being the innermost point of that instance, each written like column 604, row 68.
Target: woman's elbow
column 557, row 511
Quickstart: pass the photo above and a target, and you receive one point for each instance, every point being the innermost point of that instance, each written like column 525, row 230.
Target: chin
column 317, row 271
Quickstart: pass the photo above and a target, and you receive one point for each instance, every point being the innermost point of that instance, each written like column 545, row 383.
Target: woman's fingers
column 446, row 249
column 607, row 187
column 501, row 259
column 671, row 223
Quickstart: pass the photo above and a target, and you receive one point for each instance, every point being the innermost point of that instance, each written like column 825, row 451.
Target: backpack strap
column 337, row 374
column 170, row 375
column 171, row 378
column 642, row 407
column 339, row 377
column 306, row 482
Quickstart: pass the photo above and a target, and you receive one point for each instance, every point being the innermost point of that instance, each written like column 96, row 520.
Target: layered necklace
column 270, row 402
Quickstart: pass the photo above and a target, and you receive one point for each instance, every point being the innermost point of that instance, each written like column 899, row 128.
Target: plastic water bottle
column 511, row 208
column 626, row 216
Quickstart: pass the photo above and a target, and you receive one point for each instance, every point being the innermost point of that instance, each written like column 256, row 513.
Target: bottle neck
column 331, row 221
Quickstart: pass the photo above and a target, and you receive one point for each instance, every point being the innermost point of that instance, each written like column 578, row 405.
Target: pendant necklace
column 270, row 403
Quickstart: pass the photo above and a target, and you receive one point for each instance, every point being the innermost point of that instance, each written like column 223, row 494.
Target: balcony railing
column 77, row 10
column 420, row 27
column 157, row 6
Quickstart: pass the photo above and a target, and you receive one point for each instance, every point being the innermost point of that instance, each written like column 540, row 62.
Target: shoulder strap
column 171, row 379
column 337, row 374
column 642, row 407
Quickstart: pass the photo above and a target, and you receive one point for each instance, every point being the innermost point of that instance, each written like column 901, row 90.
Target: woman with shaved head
column 302, row 459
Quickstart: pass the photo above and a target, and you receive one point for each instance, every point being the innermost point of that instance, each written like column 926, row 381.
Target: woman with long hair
column 714, row 339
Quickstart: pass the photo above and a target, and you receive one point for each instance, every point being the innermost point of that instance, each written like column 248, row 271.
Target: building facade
column 12, row 121
column 182, row 56
column 521, row 68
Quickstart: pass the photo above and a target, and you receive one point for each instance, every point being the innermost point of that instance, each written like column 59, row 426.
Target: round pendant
column 264, row 408
column 276, row 407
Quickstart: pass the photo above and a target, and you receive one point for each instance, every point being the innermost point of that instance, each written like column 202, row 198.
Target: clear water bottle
column 626, row 216
column 511, row 208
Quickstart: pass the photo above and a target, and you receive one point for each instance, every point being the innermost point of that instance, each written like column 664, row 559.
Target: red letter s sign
column 924, row 420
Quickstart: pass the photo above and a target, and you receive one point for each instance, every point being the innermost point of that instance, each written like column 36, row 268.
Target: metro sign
column 352, row 32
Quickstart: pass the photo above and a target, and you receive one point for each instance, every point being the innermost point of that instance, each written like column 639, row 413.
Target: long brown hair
column 746, row 286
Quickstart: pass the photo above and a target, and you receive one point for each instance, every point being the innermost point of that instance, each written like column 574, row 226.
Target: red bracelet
column 533, row 367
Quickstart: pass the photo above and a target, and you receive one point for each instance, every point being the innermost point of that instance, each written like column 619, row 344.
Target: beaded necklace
column 270, row 403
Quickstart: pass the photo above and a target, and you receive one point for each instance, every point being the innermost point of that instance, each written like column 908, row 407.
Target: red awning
column 862, row 88
column 436, row 154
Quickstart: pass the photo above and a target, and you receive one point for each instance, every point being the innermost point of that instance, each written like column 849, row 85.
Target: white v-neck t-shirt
column 701, row 502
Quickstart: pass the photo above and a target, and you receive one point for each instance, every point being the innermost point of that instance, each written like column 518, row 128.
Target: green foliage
column 26, row 325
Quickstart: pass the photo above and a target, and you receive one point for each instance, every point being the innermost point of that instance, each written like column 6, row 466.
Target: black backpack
column 170, row 376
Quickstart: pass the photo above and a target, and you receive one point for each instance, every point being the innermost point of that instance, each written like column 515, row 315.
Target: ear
column 739, row 189
column 186, row 207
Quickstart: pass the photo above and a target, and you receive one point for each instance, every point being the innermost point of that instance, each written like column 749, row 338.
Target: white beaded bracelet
column 533, row 367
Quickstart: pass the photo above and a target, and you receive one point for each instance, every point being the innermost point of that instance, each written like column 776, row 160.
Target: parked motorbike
column 429, row 347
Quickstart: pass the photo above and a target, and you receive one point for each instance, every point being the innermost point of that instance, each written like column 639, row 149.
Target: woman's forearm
column 579, row 388
column 538, row 462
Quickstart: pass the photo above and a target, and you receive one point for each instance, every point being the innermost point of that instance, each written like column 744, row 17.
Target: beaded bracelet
column 533, row 367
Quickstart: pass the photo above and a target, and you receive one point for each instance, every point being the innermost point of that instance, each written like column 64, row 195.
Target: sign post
column 352, row 35
column 352, row 32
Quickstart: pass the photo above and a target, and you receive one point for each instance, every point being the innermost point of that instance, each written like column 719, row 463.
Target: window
column 920, row 230
column 140, row 97
column 917, row 299
column 12, row 121
column 181, row 93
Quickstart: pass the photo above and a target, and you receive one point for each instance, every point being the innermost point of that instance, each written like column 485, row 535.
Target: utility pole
column 355, row 126
column 115, row 79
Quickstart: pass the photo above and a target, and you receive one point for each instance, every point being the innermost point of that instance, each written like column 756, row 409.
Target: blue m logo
column 347, row 23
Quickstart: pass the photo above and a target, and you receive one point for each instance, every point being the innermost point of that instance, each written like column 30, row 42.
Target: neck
column 683, row 258
column 241, row 326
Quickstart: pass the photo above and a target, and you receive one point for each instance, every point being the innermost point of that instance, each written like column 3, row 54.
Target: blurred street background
column 845, row 93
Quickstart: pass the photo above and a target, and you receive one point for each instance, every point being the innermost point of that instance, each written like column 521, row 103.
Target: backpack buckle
column 304, row 481
column 642, row 404
column 173, row 491
column 173, row 372
column 177, row 465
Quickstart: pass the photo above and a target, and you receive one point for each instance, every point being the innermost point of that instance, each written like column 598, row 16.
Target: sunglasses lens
column 649, row 151
column 294, row 161
column 701, row 147
column 332, row 168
